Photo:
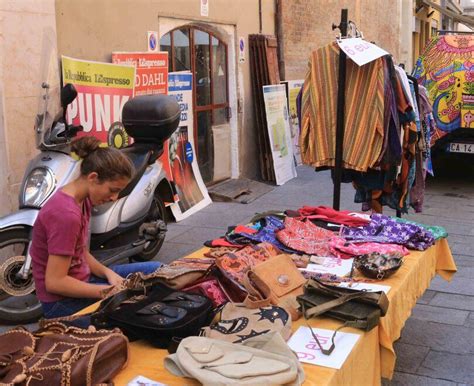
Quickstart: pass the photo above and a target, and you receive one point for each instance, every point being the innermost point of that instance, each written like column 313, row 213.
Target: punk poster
column 102, row 91
column 192, row 192
column 293, row 87
column 278, row 125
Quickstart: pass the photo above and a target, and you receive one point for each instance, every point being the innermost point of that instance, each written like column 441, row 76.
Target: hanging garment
column 364, row 113
column 305, row 237
column 385, row 229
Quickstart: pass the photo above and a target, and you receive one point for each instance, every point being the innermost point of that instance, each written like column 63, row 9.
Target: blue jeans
column 69, row 306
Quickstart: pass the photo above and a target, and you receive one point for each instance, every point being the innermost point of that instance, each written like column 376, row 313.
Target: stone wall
column 307, row 25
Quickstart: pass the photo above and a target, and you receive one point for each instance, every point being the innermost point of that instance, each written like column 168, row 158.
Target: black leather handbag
column 157, row 316
column 358, row 309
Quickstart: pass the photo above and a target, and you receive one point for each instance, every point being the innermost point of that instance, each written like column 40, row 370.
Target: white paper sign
column 152, row 41
column 140, row 380
column 241, row 50
column 308, row 351
column 366, row 287
column 330, row 265
column 361, row 51
column 204, row 7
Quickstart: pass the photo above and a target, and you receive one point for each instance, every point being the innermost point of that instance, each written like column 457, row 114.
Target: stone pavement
column 437, row 343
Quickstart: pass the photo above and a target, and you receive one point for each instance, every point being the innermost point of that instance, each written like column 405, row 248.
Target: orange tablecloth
column 373, row 356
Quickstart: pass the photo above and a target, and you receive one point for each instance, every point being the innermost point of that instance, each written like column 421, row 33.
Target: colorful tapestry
column 446, row 69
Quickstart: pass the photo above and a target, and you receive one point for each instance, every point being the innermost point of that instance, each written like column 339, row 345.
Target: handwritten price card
column 361, row 51
column 330, row 265
column 307, row 350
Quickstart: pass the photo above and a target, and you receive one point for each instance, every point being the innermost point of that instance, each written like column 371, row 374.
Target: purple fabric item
column 384, row 229
column 267, row 234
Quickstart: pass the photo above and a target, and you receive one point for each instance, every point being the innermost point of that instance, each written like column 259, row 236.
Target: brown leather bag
column 61, row 355
column 277, row 281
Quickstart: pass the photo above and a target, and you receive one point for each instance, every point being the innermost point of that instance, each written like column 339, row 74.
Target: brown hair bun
column 85, row 146
column 109, row 163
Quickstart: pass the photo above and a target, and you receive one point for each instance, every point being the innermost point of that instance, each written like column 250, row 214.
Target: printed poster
column 308, row 351
column 102, row 91
column 293, row 87
column 151, row 77
column 189, row 185
column 278, row 126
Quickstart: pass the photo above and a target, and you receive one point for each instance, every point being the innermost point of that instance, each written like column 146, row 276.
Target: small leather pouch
column 276, row 281
column 211, row 288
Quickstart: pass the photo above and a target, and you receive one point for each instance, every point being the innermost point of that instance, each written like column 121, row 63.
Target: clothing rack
column 341, row 106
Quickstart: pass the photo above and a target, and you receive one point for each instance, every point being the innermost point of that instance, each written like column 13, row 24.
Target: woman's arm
column 58, row 281
column 100, row 270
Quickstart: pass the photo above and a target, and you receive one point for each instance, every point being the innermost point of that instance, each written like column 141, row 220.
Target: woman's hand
column 113, row 278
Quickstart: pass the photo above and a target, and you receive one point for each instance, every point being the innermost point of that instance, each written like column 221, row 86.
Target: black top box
column 151, row 118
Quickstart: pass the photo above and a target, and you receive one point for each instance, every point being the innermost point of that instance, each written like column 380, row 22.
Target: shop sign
column 361, row 51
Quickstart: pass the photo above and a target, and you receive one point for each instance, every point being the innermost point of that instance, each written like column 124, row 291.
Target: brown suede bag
column 61, row 355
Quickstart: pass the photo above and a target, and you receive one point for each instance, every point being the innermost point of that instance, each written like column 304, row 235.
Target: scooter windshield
column 49, row 87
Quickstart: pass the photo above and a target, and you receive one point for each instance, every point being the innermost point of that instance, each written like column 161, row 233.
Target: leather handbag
column 157, row 315
column 358, row 309
column 60, row 355
column 238, row 323
column 276, row 281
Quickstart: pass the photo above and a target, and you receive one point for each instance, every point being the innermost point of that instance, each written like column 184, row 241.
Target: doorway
column 202, row 52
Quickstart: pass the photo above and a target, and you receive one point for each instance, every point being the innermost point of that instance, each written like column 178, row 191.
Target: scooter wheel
column 23, row 307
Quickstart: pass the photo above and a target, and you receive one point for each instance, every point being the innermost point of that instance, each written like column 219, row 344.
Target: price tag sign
column 361, row 51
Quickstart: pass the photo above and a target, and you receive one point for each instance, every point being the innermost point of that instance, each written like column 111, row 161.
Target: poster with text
column 278, row 126
column 293, row 87
column 192, row 192
column 102, row 91
column 151, row 77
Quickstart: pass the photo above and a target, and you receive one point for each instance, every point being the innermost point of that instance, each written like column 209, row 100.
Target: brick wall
column 306, row 25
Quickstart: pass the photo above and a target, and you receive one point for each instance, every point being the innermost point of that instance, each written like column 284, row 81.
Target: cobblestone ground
column 437, row 343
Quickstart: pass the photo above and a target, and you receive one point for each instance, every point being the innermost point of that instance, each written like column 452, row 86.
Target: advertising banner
column 102, row 90
column 278, row 126
column 191, row 190
column 293, row 87
column 151, row 75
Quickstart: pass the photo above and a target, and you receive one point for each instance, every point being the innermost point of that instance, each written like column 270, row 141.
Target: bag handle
column 325, row 307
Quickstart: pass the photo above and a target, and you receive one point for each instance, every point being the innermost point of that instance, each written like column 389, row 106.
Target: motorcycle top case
column 157, row 316
column 151, row 118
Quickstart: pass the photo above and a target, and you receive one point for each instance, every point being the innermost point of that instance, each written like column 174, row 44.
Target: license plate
column 455, row 147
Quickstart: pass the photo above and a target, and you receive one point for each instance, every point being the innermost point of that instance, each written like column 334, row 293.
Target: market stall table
column 372, row 357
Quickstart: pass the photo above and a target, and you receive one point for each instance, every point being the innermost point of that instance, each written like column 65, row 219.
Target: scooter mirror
column 68, row 94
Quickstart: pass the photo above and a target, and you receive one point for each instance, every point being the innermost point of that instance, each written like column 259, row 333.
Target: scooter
column 133, row 227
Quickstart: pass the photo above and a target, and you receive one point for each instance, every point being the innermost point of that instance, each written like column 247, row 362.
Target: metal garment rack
column 341, row 106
